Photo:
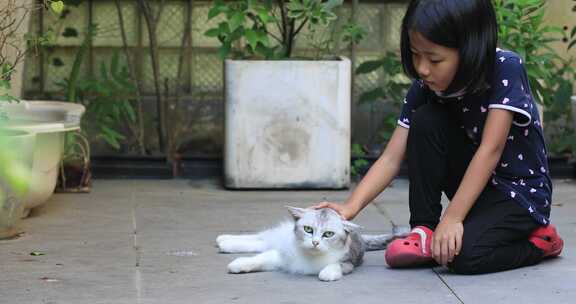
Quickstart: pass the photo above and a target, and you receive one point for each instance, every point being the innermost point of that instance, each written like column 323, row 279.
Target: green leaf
column 573, row 33
column 130, row 111
column 369, row 66
column 224, row 50
column 218, row 8
column 572, row 44
column 57, row 7
column 371, row 95
column 236, row 20
column 252, row 38
column 264, row 15
column 214, row 32
column 111, row 137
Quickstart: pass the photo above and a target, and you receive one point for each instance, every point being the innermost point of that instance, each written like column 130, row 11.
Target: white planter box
column 287, row 124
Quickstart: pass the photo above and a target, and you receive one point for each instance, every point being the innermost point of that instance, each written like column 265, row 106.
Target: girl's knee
column 465, row 264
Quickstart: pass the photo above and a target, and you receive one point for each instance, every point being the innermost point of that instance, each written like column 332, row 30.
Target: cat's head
column 320, row 230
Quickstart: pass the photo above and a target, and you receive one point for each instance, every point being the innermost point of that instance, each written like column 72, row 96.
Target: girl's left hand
column 447, row 240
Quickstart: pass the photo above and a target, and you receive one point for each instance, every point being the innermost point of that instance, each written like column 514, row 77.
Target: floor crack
column 447, row 286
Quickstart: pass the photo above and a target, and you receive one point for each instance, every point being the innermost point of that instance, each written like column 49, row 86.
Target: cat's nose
column 315, row 243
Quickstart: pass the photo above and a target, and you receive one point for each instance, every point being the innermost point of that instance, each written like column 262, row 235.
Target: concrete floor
column 152, row 241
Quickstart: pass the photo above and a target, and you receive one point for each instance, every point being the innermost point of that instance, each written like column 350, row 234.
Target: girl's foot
column 413, row 250
column 547, row 239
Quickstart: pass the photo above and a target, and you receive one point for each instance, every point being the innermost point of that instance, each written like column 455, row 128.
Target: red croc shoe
column 413, row 250
column 547, row 239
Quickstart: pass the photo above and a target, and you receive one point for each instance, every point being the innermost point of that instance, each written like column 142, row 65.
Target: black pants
column 496, row 229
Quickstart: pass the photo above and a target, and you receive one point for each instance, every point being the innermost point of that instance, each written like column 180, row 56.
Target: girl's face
column 435, row 64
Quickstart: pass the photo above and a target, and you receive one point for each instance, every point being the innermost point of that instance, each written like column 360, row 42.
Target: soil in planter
column 78, row 179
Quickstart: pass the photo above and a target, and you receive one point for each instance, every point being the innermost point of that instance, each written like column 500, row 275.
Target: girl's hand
column 447, row 240
column 345, row 210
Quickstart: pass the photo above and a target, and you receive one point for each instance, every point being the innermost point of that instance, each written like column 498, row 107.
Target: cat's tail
column 374, row 242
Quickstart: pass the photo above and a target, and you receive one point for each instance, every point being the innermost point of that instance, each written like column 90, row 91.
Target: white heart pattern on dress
column 506, row 100
column 505, row 82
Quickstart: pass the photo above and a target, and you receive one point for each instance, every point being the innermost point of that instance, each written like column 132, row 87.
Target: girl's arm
column 378, row 177
column 448, row 235
column 483, row 163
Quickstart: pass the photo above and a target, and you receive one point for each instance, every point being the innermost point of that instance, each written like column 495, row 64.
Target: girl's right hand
column 347, row 211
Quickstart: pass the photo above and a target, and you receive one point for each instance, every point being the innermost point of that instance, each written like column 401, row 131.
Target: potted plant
column 287, row 117
column 107, row 99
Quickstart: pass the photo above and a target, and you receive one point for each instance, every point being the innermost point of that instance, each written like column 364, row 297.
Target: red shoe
column 547, row 239
column 413, row 250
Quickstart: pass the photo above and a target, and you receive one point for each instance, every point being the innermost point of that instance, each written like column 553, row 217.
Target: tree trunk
column 160, row 106
column 140, row 132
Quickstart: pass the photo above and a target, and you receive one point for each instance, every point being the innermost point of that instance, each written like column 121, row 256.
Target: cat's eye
column 308, row 229
column 328, row 234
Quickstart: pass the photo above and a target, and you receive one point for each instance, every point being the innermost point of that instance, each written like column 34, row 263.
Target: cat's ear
column 350, row 227
column 296, row 212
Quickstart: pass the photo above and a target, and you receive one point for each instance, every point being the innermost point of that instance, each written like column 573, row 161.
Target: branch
column 300, row 27
column 251, row 16
column 159, row 12
column 277, row 23
column 140, row 132
column 284, row 26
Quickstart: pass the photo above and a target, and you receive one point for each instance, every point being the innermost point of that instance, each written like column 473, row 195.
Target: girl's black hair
column 467, row 25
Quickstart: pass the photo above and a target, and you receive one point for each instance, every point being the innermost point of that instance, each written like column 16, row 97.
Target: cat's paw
column 329, row 274
column 223, row 238
column 241, row 265
column 226, row 244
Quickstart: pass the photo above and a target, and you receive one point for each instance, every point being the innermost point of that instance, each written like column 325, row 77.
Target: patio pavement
column 152, row 241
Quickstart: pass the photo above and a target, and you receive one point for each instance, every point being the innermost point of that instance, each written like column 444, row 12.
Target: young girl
column 469, row 127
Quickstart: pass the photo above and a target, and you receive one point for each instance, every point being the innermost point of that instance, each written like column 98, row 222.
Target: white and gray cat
column 316, row 242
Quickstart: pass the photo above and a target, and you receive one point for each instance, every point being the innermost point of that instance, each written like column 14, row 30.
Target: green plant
column 522, row 30
column 391, row 90
column 268, row 29
column 107, row 98
column 359, row 163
